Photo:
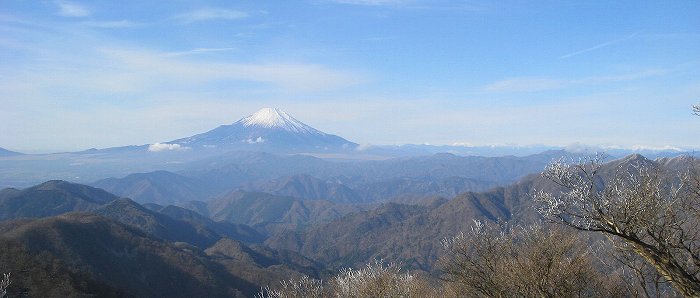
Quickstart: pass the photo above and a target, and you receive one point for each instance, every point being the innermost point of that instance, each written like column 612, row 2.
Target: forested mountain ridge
column 51, row 198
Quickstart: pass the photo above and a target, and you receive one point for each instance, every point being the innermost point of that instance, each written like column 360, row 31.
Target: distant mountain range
column 4, row 152
column 269, row 213
column 160, row 187
column 411, row 234
column 101, row 245
column 305, row 186
column 306, row 177
column 51, row 198
column 265, row 133
column 117, row 248
column 244, row 205
column 275, row 131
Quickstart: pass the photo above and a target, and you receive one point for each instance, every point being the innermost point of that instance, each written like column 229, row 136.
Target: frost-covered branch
column 378, row 280
column 637, row 204
column 304, row 287
column 374, row 280
column 4, row 283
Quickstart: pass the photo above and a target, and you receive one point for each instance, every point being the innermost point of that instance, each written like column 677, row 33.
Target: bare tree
column 638, row 208
column 501, row 261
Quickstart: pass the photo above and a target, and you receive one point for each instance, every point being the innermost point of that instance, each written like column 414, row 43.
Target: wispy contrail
column 602, row 45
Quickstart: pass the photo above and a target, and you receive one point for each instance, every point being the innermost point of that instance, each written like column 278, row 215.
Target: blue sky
column 77, row 75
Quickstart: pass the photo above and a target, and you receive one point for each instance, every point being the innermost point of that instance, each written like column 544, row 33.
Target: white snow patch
column 276, row 118
column 462, row 144
column 578, row 147
column 656, row 148
column 583, row 148
column 158, row 147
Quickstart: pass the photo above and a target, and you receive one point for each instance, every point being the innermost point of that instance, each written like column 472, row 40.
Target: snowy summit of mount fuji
column 268, row 129
column 276, row 118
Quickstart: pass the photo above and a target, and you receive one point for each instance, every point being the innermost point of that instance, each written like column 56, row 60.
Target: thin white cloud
column 207, row 50
column 462, row 144
column 112, row 24
column 208, row 14
column 418, row 5
column 254, row 141
column 535, row 84
column 599, row 46
column 364, row 147
column 118, row 70
column 578, row 147
column 196, row 51
column 158, row 147
column 150, row 67
column 371, row 2
column 70, row 9
column 657, row 148
column 526, row 84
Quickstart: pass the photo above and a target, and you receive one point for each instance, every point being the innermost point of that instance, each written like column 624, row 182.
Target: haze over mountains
column 268, row 130
column 372, row 148
column 5, row 152
column 232, row 244
column 245, row 205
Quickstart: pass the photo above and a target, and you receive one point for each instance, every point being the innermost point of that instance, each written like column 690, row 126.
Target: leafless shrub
column 378, row 280
column 641, row 211
column 304, row 287
column 503, row 261
column 4, row 283
column 374, row 280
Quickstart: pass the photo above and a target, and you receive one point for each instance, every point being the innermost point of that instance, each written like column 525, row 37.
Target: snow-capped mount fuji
column 277, row 119
column 269, row 129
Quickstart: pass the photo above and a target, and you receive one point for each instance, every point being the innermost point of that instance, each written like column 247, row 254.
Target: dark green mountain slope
column 411, row 189
column 239, row 232
column 80, row 254
column 93, row 249
column 159, row 187
column 51, row 198
column 307, row 187
column 269, row 213
column 159, row 225
column 411, row 234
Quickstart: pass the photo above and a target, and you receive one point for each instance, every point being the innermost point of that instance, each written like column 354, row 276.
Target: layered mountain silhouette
column 257, row 137
column 117, row 256
column 235, row 243
column 162, row 226
column 4, row 152
column 269, row 213
column 51, row 198
column 160, row 187
column 304, row 186
column 307, row 177
column 411, row 234
column 98, row 251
